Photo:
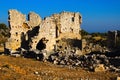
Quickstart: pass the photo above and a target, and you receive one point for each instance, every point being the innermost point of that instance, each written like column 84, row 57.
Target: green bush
column 83, row 32
column 3, row 26
column 4, row 33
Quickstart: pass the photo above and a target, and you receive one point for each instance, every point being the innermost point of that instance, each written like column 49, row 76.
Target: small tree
column 3, row 26
column 83, row 32
column 4, row 33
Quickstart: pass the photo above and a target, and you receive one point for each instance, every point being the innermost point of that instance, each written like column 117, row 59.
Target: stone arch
column 41, row 44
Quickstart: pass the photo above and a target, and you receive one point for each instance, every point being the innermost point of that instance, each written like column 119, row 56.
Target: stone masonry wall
column 53, row 28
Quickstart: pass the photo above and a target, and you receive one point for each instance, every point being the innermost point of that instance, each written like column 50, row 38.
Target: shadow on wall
column 73, row 43
column 31, row 33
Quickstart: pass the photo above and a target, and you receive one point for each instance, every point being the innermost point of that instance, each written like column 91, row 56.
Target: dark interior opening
column 41, row 45
column 57, row 32
column 16, row 33
column 72, row 19
column 24, row 42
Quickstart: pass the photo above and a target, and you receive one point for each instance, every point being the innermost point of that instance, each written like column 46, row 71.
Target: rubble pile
column 91, row 62
column 94, row 61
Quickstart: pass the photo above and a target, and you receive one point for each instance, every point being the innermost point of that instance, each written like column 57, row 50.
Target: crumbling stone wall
column 16, row 20
column 70, row 22
column 47, row 30
column 69, row 25
column 20, row 28
column 52, row 28
column 59, row 26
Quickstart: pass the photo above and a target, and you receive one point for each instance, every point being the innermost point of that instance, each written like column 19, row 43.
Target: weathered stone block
column 99, row 68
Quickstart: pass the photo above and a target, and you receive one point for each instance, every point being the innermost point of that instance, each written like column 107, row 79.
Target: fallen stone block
column 15, row 55
column 118, row 78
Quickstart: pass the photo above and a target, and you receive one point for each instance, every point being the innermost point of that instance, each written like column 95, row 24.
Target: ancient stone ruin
column 37, row 34
column 57, row 39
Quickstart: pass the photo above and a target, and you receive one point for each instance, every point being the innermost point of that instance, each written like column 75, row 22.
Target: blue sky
column 97, row 15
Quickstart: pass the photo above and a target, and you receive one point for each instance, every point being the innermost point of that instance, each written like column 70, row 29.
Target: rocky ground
column 12, row 68
column 91, row 62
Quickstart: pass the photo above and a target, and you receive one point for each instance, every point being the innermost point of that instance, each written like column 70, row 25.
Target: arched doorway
column 42, row 44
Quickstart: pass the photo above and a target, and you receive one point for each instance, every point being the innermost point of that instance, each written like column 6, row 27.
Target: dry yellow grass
column 1, row 49
column 29, row 69
column 97, row 38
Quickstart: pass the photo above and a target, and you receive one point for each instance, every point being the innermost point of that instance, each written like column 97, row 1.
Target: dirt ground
column 12, row 68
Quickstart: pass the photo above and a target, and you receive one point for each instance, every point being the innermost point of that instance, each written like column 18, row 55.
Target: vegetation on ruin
column 84, row 32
